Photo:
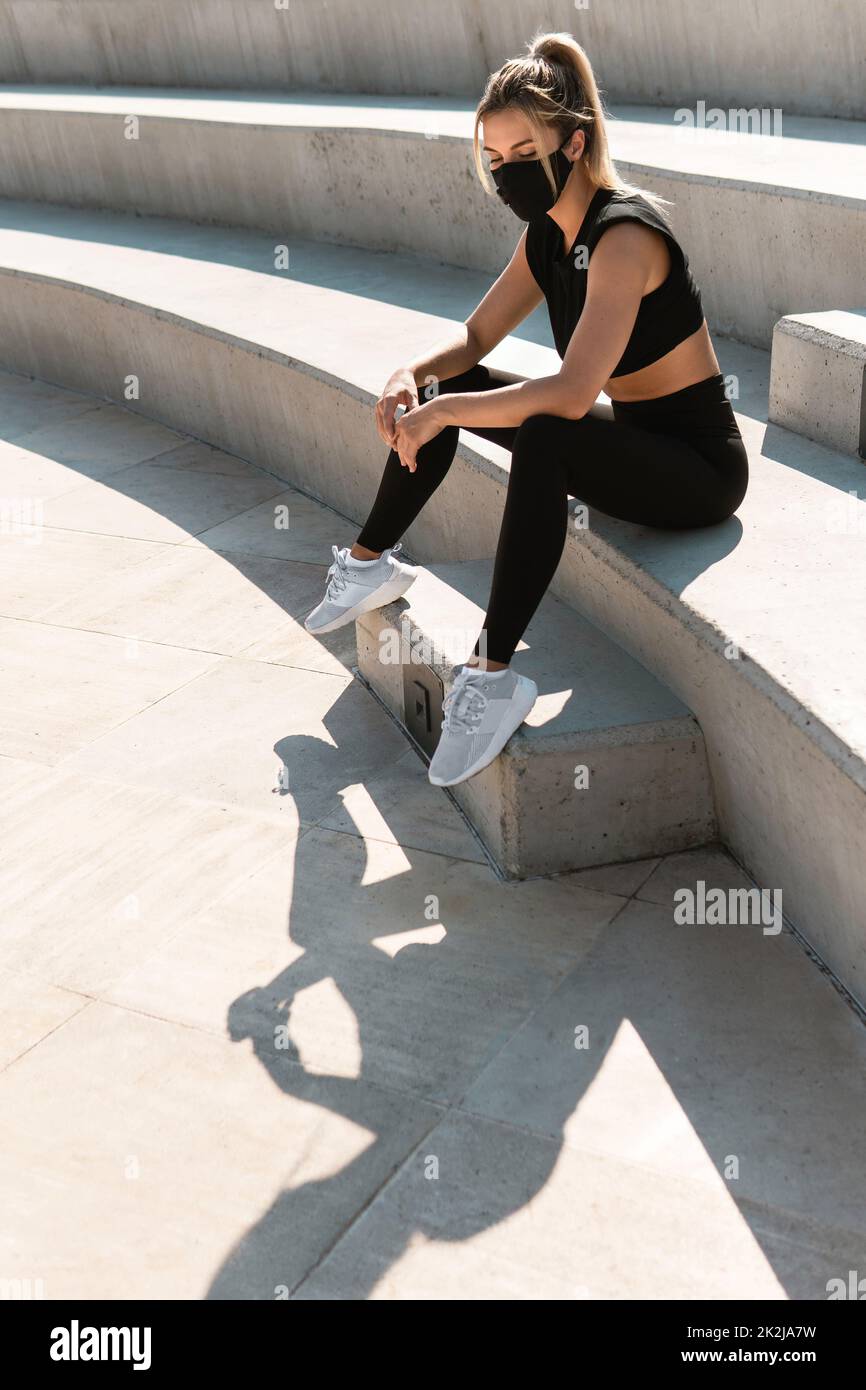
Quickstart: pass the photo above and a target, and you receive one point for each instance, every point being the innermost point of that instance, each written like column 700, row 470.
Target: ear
column 576, row 145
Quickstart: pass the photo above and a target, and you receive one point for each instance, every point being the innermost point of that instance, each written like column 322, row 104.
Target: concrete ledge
column 396, row 175
column 756, row 626
column 818, row 378
column 647, row 786
column 780, row 53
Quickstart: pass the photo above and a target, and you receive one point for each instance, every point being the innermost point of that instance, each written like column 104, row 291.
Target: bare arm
column 618, row 274
column 506, row 304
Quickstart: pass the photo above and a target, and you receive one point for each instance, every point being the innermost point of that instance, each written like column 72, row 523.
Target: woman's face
column 507, row 138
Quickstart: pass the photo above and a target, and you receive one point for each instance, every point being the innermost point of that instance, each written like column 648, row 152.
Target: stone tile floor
column 259, row 1042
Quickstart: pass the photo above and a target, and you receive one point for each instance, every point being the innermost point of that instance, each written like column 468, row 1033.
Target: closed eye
column 495, row 163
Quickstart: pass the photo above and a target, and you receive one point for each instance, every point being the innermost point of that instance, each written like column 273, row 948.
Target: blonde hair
column 554, row 87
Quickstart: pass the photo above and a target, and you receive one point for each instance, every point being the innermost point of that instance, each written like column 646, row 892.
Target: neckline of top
column 561, row 256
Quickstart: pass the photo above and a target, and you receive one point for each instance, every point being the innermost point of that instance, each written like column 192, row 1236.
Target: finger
column 385, row 419
column 399, row 412
column 407, row 456
column 388, row 408
column 403, row 450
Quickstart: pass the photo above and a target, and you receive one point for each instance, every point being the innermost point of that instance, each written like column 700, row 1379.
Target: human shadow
column 697, row 1001
column 679, row 999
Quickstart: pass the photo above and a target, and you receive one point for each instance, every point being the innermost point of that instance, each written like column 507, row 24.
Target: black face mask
column 522, row 184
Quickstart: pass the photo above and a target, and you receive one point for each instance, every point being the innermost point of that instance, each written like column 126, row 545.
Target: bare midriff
column 690, row 361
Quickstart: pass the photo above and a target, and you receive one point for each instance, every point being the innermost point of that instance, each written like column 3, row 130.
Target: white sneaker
column 481, row 714
column 353, row 589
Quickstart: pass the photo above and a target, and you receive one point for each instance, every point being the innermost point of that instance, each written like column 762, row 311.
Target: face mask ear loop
column 571, row 162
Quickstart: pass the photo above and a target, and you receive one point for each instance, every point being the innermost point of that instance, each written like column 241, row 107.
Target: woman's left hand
column 414, row 428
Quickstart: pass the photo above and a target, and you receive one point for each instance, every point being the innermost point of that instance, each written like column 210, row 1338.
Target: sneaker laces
column 463, row 707
column 338, row 574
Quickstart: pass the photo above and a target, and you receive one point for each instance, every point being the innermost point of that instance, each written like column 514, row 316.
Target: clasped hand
column 413, row 429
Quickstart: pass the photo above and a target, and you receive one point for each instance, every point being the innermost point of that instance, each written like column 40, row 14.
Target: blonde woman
column 627, row 319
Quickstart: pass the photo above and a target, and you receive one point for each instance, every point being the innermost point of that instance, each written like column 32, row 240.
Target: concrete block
column 608, row 767
column 818, row 377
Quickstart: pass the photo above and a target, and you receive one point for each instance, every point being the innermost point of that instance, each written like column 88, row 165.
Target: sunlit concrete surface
column 818, row 378
column 396, row 174
column 263, row 1040
column 782, row 52
column 755, row 625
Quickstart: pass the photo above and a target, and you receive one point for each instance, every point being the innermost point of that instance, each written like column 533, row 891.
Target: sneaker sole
column 492, row 753
column 386, row 593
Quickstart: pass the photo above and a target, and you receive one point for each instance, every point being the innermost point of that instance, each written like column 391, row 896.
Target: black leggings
column 675, row 462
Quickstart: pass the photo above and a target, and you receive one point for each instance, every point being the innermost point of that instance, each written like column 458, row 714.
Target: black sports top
column 667, row 315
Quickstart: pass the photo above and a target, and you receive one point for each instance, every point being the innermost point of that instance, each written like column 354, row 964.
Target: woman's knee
column 732, row 482
column 542, row 438
column 722, row 512
column 727, row 500
column 548, row 431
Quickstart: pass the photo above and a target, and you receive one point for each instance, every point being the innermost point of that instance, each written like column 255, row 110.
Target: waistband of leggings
column 709, row 392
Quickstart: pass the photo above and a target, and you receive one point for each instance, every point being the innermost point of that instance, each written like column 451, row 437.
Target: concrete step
column 818, row 377
column 396, row 175
column 162, row 913
column 609, row 766
column 756, row 626
column 785, row 53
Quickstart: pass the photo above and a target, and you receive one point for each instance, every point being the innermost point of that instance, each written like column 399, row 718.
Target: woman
column 627, row 320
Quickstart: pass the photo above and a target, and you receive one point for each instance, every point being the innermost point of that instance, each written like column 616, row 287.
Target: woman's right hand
column 400, row 389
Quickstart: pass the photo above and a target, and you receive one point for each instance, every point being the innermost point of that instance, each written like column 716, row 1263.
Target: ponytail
column 554, row 86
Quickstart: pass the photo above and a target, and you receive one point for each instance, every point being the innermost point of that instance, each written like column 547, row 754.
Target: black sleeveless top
column 667, row 315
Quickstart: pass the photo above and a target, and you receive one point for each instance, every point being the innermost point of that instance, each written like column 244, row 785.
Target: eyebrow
column 530, row 141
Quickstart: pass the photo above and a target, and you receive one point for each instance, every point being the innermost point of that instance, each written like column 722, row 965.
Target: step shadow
column 684, row 1033
column 255, row 1266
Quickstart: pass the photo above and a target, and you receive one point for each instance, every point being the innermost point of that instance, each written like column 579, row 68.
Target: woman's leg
column 402, row 494
column 630, row 473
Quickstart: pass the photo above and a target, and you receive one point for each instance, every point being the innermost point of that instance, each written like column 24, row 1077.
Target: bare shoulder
column 628, row 239
column 633, row 250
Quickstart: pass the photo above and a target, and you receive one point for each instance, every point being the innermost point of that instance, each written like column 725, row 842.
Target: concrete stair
column 163, row 914
column 711, row 682
column 781, row 53
column 818, row 377
column 268, row 337
column 755, row 626
column 360, row 169
column 609, row 767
